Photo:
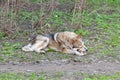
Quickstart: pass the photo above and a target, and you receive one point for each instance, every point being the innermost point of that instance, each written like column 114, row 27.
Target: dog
column 65, row 42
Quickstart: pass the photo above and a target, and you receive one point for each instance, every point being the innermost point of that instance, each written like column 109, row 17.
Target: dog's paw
column 42, row 51
column 79, row 53
column 27, row 48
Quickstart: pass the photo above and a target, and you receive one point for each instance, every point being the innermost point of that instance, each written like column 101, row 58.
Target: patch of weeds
column 29, row 17
column 34, row 76
column 1, row 58
column 11, row 46
column 91, row 50
column 113, row 41
column 21, row 76
column 83, row 32
column 103, row 77
column 19, row 57
column 1, row 34
column 110, row 53
column 10, row 76
column 38, row 1
column 11, row 15
column 109, row 24
column 65, row 1
column 8, row 49
column 105, row 52
column 56, row 18
column 24, row 15
column 112, row 30
column 58, row 75
column 86, row 21
column 106, row 21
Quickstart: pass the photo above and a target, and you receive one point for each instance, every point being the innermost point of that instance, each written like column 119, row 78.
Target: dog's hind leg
column 41, row 45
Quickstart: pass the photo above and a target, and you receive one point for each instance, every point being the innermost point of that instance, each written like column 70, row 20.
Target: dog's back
column 53, row 44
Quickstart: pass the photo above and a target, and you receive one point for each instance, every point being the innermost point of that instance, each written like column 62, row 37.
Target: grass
column 103, row 21
column 103, row 77
column 1, row 35
column 7, row 50
column 21, row 76
column 29, row 76
column 57, row 76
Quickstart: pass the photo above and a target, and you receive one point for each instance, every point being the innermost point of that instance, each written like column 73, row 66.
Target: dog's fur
column 66, row 42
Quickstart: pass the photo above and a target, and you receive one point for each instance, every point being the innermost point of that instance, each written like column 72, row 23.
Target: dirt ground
column 64, row 66
column 68, row 68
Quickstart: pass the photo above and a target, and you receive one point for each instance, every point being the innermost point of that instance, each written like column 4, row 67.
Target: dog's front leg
column 72, row 51
column 69, row 51
column 78, row 53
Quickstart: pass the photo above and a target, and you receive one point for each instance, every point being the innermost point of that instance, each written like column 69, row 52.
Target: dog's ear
column 79, row 35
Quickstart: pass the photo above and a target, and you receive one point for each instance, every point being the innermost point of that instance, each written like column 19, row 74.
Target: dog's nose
column 86, row 49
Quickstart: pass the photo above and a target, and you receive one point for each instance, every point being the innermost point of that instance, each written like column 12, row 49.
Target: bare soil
column 64, row 66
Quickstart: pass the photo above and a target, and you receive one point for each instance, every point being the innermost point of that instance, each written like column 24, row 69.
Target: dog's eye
column 74, row 47
column 77, row 49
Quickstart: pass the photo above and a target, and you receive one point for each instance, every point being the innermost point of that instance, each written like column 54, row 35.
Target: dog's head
column 79, row 45
column 36, row 43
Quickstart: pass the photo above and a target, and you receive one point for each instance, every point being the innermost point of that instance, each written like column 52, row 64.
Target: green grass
column 30, row 76
column 83, row 32
column 8, row 50
column 103, row 77
column 56, row 76
column 104, row 22
column 56, row 18
column 21, row 76
column 1, row 35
